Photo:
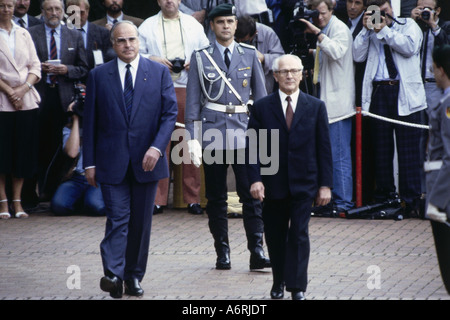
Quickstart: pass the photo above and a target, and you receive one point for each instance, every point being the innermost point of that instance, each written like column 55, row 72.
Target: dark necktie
column 22, row 23
column 227, row 58
column 424, row 54
column 289, row 112
column 349, row 24
column 128, row 90
column 390, row 62
column 115, row 21
column 53, row 54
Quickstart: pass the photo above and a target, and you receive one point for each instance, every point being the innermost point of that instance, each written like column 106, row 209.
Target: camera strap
column 223, row 76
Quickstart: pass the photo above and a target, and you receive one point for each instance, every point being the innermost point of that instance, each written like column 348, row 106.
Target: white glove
column 195, row 152
column 434, row 214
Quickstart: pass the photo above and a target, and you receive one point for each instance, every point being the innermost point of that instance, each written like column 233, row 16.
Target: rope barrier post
column 358, row 157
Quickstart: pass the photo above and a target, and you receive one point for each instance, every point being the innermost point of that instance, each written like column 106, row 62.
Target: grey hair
column 276, row 62
column 111, row 34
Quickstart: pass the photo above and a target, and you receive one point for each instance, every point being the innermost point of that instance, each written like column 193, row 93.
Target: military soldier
column 437, row 166
column 223, row 77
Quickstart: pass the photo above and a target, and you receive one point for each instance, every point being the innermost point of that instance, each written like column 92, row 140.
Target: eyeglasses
column 294, row 72
column 123, row 41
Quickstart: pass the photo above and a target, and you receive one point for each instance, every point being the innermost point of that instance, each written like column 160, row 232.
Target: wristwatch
column 30, row 86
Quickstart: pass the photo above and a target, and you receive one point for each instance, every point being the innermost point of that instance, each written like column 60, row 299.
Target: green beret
column 222, row 10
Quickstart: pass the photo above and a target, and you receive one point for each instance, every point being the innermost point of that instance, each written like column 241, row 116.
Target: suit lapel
column 41, row 45
column 277, row 109
column 218, row 58
column 235, row 58
column 300, row 110
column 5, row 50
column 139, row 86
column 116, row 87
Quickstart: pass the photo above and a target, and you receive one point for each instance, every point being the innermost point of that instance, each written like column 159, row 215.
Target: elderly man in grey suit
column 222, row 109
column 63, row 57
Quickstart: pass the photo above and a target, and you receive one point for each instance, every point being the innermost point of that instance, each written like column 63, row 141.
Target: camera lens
column 425, row 15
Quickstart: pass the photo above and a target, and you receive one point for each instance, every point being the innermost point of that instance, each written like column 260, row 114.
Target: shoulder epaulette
column 206, row 47
column 249, row 46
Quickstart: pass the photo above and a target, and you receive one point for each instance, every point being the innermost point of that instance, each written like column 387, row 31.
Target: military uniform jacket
column 438, row 182
column 206, row 85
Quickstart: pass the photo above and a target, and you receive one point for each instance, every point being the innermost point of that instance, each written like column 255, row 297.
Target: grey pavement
column 46, row 257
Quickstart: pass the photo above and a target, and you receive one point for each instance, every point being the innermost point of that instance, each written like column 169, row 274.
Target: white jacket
column 194, row 38
column 405, row 41
column 337, row 81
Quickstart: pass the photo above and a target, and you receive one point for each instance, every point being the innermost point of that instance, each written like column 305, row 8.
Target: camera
column 382, row 13
column 78, row 98
column 301, row 42
column 300, row 12
column 177, row 65
column 426, row 14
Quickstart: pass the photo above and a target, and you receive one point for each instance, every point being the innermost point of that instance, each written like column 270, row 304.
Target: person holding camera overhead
column 170, row 37
column 393, row 88
column 436, row 32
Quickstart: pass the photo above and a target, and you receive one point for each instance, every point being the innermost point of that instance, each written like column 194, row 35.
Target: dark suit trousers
column 286, row 230
column 216, row 194
column 441, row 235
column 384, row 103
column 129, row 210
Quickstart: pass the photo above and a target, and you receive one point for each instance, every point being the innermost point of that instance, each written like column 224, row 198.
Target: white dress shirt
column 284, row 103
column 123, row 69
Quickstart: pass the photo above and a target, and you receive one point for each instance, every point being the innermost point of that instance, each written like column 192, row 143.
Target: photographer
column 333, row 75
column 392, row 88
column 170, row 37
column 74, row 193
column 436, row 32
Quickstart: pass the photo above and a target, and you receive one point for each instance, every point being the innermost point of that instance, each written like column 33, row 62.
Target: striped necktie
column 53, row 54
column 128, row 90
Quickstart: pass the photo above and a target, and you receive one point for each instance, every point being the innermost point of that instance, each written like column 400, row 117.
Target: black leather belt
column 386, row 83
column 430, row 80
column 52, row 85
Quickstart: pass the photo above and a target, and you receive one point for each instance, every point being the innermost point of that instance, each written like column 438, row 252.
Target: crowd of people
column 259, row 25
column 350, row 56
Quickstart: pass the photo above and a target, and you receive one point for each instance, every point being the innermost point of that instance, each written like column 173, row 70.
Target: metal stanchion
column 358, row 157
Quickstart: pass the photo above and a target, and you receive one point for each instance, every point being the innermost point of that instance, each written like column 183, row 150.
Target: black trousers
column 384, row 103
column 52, row 119
column 216, row 193
column 287, row 238
column 441, row 234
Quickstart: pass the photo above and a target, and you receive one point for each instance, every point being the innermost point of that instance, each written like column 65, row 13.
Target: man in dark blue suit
column 304, row 173
column 130, row 113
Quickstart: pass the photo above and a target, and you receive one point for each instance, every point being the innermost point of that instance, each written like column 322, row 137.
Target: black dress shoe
column 113, row 285
column 223, row 252
column 277, row 291
column 298, row 295
column 133, row 287
column 195, row 208
column 158, row 209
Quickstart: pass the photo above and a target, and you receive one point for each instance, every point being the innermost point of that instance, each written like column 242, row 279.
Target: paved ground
column 57, row 258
